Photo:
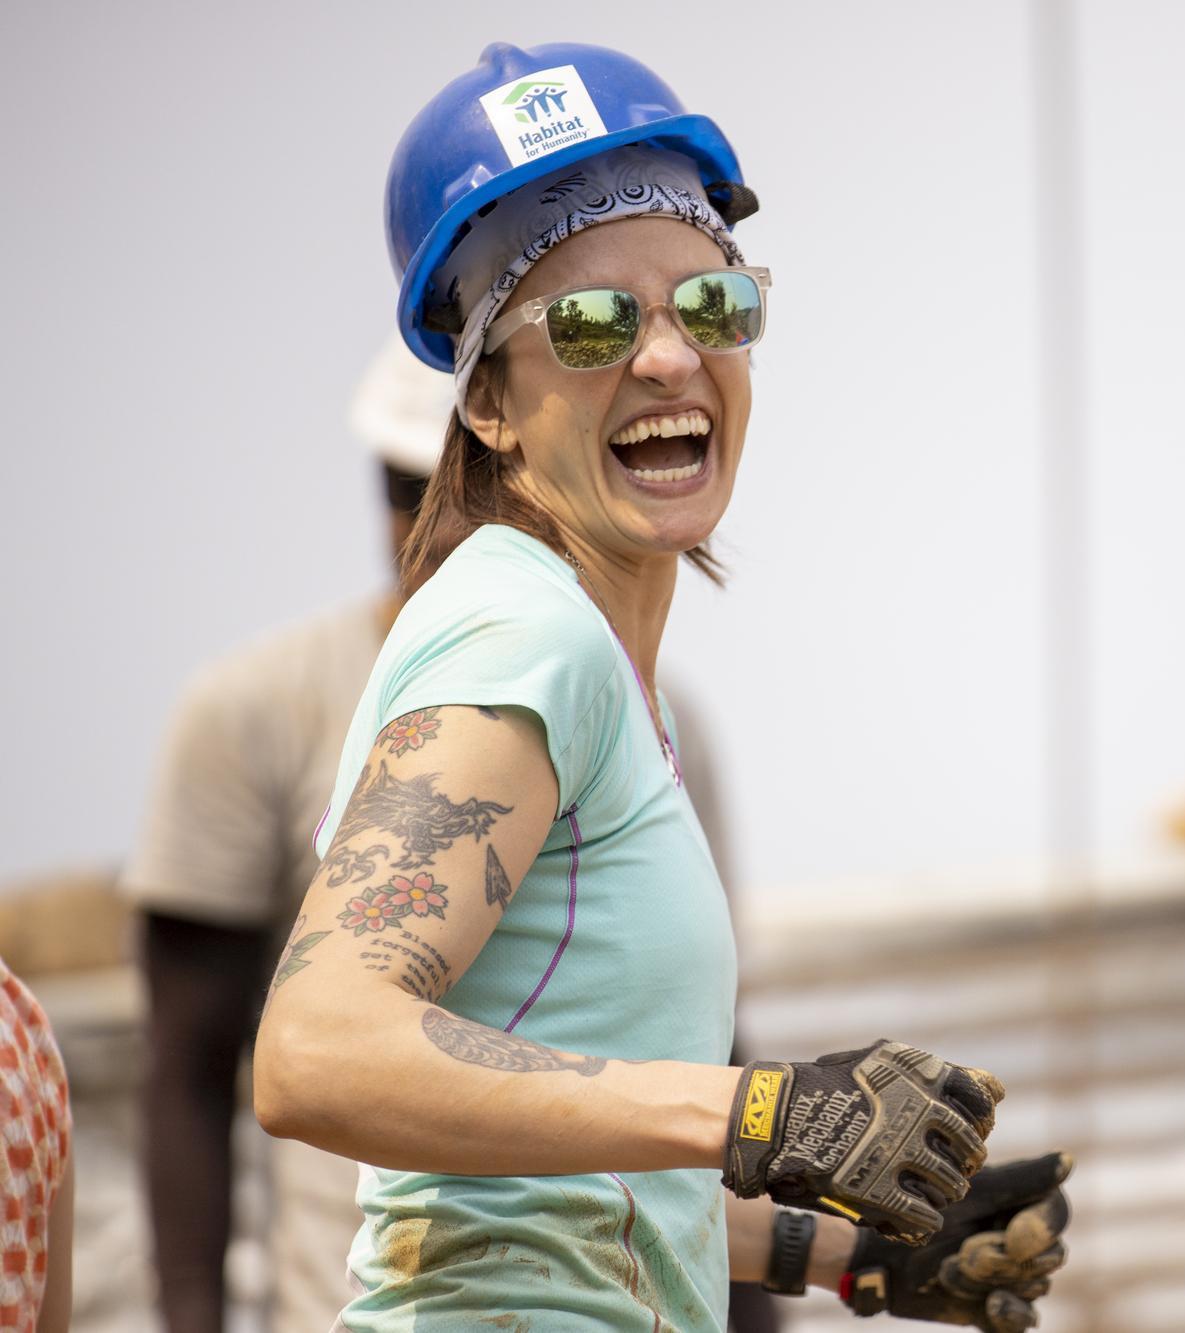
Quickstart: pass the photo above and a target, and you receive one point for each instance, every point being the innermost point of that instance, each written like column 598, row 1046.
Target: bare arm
column 203, row 984
column 54, row 1315
column 750, row 1237
column 354, row 1056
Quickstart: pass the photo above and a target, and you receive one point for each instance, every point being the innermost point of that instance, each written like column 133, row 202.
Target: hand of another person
column 886, row 1136
column 987, row 1265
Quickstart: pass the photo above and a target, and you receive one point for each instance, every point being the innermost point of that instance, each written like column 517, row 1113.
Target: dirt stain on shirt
column 596, row 1241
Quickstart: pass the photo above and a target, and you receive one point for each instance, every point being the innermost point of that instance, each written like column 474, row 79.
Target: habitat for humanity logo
column 531, row 98
column 549, row 109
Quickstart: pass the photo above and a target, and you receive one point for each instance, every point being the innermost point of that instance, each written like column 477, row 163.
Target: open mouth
column 662, row 448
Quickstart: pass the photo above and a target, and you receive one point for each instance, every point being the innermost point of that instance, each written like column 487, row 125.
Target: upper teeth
column 692, row 423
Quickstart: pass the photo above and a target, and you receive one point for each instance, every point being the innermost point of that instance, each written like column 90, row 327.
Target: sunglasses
column 593, row 328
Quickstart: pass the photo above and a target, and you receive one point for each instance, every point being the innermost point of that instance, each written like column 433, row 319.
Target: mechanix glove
column 990, row 1261
column 885, row 1136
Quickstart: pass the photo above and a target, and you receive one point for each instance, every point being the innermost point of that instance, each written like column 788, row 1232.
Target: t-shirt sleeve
column 538, row 650
column 210, row 846
column 36, row 1136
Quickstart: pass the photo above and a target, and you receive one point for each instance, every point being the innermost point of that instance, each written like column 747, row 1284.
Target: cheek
column 560, row 422
column 737, row 396
column 549, row 432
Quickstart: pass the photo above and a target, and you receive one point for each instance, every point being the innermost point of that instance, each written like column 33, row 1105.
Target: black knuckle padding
column 968, row 1096
column 852, row 1133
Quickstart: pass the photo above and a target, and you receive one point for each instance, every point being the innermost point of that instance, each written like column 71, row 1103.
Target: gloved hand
column 885, row 1136
column 990, row 1261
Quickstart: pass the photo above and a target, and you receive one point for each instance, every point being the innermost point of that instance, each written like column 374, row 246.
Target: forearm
column 750, row 1236
column 54, row 1315
column 831, row 1252
column 405, row 1085
column 750, row 1243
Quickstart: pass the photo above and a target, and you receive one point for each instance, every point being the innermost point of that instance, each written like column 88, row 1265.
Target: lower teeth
column 668, row 474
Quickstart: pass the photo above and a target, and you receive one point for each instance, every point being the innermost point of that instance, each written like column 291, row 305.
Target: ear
column 485, row 411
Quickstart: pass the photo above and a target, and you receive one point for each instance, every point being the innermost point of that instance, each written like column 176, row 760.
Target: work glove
column 987, row 1265
column 885, row 1136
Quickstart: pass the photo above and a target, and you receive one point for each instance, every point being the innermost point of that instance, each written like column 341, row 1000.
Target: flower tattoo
column 370, row 911
column 376, row 909
column 292, row 959
column 419, row 896
column 413, row 730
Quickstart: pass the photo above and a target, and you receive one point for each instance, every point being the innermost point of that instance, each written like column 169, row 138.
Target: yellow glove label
column 761, row 1100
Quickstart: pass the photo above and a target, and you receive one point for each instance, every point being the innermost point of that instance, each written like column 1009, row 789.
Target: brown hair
column 468, row 487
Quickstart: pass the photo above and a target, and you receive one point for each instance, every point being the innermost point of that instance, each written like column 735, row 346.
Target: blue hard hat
column 518, row 116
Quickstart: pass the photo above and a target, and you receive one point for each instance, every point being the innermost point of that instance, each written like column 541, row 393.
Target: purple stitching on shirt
column 629, row 1226
column 321, row 825
column 574, row 866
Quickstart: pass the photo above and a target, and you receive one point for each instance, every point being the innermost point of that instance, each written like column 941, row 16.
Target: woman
column 514, row 972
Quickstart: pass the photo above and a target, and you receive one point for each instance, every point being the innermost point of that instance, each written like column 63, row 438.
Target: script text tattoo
column 418, row 967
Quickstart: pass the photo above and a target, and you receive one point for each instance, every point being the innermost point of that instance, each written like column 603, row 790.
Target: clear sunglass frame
column 535, row 312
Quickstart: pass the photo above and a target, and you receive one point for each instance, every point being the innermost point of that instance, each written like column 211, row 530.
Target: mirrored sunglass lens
column 591, row 329
column 720, row 309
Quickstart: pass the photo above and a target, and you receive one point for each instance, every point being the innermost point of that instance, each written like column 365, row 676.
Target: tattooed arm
column 354, row 1057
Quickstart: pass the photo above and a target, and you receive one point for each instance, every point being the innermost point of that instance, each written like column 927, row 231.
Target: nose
column 665, row 356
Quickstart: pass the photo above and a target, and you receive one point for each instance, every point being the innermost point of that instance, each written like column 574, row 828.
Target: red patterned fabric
column 34, row 1146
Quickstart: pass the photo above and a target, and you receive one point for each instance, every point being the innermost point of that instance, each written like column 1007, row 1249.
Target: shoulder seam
column 584, row 716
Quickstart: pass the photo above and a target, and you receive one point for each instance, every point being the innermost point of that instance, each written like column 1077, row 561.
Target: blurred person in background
column 36, row 1168
column 223, row 859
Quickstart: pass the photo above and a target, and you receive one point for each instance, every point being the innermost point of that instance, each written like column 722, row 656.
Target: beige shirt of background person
column 247, row 767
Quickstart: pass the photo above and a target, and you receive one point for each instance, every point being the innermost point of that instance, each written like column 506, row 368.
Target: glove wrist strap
column 794, row 1234
column 755, row 1126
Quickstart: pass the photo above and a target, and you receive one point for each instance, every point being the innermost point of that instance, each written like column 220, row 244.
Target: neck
column 386, row 609
column 635, row 595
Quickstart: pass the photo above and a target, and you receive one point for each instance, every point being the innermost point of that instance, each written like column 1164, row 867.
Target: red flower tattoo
column 372, row 910
column 411, row 731
column 420, row 896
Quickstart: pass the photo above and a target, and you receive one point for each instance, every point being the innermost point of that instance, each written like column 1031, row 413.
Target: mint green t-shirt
column 617, row 943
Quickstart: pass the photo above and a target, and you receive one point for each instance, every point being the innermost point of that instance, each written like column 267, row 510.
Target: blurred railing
column 1079, row 1007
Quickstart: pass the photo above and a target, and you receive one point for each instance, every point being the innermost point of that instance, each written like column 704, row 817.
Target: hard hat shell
column 451, row 161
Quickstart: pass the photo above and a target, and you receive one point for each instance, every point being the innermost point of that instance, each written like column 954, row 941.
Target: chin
column 681, row 531
column 675, row 538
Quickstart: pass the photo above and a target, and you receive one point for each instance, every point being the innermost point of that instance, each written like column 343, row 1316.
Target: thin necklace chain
column 651, row 702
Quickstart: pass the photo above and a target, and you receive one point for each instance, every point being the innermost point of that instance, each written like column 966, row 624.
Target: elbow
column 276, row 1092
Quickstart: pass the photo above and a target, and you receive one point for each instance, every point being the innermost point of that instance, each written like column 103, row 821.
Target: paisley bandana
column 480, row 274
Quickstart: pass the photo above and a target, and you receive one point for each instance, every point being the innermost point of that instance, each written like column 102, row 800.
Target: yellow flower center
column 417, row 893
column 372, row 911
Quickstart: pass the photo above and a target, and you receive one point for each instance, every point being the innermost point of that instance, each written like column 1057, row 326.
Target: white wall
column 193, row 273
column 1135, row 215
